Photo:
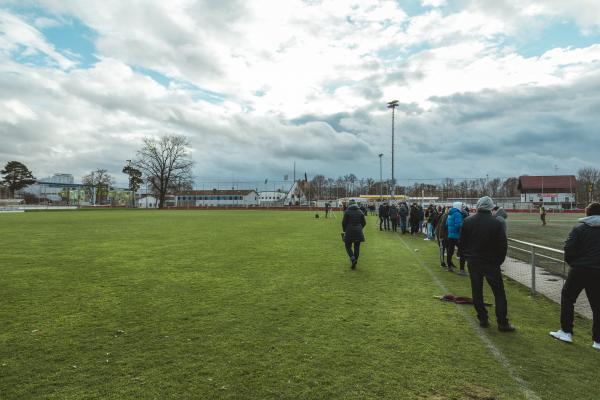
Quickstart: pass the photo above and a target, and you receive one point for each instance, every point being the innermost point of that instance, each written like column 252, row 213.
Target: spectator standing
column 441, row 234
column 394, row 217
column 327, row 208
column 352, row 224
column 582, row 253
column 501, row 216
column 403, row 215
column 454, row 223
column 381, row 212
column 484, row 244
column 431, row 215
column 414, row 219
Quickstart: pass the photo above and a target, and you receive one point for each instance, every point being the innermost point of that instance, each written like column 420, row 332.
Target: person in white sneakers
column 582, row 253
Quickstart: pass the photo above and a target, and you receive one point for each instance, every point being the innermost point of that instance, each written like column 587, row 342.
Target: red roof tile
column 567, row 182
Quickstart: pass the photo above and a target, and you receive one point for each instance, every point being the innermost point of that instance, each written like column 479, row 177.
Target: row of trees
column 322, row 187
column 164, row 164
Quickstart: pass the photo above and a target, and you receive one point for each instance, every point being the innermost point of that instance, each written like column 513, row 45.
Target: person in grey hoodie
column 501, row 216
column 582, row 253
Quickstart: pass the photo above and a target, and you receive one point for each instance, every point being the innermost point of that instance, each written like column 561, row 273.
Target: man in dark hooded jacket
column 484, row 244
column 582, row 253
column 353, row 223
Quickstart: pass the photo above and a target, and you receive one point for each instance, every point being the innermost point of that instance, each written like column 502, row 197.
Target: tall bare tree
column 589, row 179
column 98, row 184
column 166, row 162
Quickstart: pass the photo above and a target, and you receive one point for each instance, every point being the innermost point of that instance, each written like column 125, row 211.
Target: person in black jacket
column 403, row 215
column 484, row 244
column 582, row 253
column 384, row 217
column 353, row 223
column 394, row 217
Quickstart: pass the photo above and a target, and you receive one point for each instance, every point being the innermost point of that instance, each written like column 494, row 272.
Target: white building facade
column 217, row 198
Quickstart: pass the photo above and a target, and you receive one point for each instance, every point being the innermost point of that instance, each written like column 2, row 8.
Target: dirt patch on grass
column 468, row 392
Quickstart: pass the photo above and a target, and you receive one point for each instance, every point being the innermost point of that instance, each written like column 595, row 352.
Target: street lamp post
column 393, row 104
column 380, row 178
column 130, row 185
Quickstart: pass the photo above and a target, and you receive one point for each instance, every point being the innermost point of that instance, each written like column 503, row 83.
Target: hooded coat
column 353, row 224
column 501, row 216
column 582, row 248
column 454, row 223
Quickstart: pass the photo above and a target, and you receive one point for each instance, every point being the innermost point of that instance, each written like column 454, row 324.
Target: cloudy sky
column 498, row 87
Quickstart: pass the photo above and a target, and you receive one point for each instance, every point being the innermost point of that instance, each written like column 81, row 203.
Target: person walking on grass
column 582, row 253
column 543, row 215
column 454, row 223
column 484, row 244
column 352, row 224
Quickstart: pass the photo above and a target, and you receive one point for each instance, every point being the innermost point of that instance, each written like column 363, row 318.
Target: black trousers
column 356, row 251
column 492, row 274
column 403, row 224
column 578, row 280
column 394, row 224
column 451, row 244
column 414, row 227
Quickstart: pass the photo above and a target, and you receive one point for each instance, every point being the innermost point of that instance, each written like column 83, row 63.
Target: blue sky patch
column 74, row 38
column 557, row 35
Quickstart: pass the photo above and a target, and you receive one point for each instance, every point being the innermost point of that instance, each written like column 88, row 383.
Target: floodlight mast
column 380, row 178
column 393, row 104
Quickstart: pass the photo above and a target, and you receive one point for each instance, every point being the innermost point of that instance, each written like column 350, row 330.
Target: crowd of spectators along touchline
column 479, row 239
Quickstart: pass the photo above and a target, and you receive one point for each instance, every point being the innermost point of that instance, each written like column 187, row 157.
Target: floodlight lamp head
column 392, row 104
column 381, row 155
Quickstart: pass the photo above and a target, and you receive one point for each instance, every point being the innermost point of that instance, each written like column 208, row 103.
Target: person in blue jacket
column 454, row 223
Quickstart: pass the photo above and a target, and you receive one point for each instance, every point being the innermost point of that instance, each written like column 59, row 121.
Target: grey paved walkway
column 545, row 283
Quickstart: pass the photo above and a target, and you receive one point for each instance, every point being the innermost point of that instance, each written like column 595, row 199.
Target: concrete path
column 545, row 283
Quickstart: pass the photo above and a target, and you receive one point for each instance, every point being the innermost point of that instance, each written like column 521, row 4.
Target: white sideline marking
column 496, row 352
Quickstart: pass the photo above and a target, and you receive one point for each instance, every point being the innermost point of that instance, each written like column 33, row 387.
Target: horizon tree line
column 164, row 165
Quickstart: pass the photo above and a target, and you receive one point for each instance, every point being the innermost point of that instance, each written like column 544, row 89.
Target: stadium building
column 555, row 191
column 217, row 198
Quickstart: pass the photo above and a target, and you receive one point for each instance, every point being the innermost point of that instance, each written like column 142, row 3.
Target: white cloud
column 18, row 36
column 331, row 64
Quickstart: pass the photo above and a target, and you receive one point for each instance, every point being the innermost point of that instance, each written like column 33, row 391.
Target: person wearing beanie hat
column 485, row 203
column 483, row 243
column 454, row 223
column 353, row 223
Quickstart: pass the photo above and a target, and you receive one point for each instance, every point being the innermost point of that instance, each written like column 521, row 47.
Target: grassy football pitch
column 258, row 305
column 528, row 227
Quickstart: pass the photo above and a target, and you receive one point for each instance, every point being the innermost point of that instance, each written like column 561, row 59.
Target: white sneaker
column 562, row 336
column 426, row 239
column 596, row 345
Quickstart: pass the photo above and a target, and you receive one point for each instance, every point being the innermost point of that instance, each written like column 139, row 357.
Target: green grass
column 528, row 227
column 245, row 305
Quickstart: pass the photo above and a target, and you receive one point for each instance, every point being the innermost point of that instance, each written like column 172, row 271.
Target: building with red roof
column 554, row 191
